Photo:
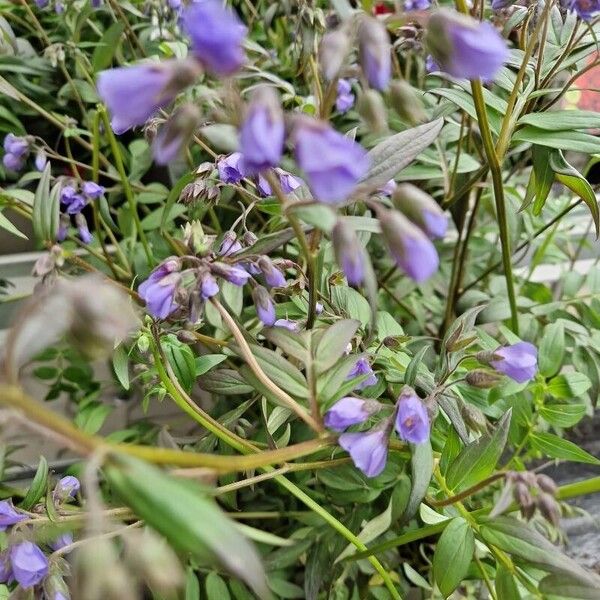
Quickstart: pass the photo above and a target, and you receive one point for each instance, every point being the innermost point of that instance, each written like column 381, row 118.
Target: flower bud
column 372, row 109
column 333, row 50
column 230, row 273
column 407, row 103
column 482, row 379
column 265, row 309
column 349, row 253
column 548, row 507
column 474, row 418
column 421, row 209
column 522, row 495
column 66, row 488
column 208, row 285
column 40, row 160
column 345, row 98
column 546, row 484
column 249, row 238
column 375, row 52
column 175, row 134
column 229, row 244
column 273, row 276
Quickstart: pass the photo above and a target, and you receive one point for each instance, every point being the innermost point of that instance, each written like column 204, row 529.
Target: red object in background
column 585, row 94
column 382, row 8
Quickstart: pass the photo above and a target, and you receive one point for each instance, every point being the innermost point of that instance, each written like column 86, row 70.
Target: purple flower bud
column 368, row 450
column 362, row 367
column 8, row 515
column 66, row 488
column 431, row 65
column 585, row 9
column 231, row 168
column 411, row 249
column 41, row 3
column 388, row 188
column 63, row 228
column 349, row 411
column 158, row 291
column 12, row 162
column 349, row 253
column 229, row 244
column 28, row 563
column 416, row 4
column 92, row 190
column 231, row 273
column 265, row 309
column 422, row 210
column 465, row 47
column 76, row 204
column 332, row 162
column 318, row 308
column 273, row 276
column 263, row 131
column 62, row 541
column 412, row 420
column 345, row 98
column 67, row 193
column 287, row 181
column 82, row 229
column 375, row 52
column 286, row 324
column 333, row 50
column 518, row 361
column 59, row 7
column 217, row 36
column 96, row 3
column 13, row 144
column 175, row 134
column 208, row 285
column 134, row 94
column 40, row 160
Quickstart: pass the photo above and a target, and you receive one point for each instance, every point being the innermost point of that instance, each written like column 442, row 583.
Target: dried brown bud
column 482, row 379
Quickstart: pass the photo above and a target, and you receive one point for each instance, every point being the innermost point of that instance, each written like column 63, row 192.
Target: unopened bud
column 407, row 103
column 195, row 239
column 482, row 379
column 186, row 337
column 548, row 507
column 372, row 109
column 349, row 253
column 175, row 134
column 375, row 52
column 421, row 209
column 273, row 276
column 333, row 50
column 249, row 238
column 473, row 417
column 265, row 309
column 546, row 484
column 394, row 342
column 522, row 495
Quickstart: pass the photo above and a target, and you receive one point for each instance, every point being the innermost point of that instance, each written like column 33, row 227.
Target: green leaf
column 562, row 415
column 562, row 140
column 552, row 349
column 562, row 120
column 318, row 215
column 207, row 362
column 91, row 417
column 120, row 361
column 108, row 45
column 561, row 585
column 181, row 359
column 39, row 217
column 38, row 486
column 292, row 343
column 555, row 447
column 410, row 376
column 192, row 586
column 216, row 588
column 394, row 153
column 8, row 226
column 334, row 342
column 505, row 584
column 227, row 382
column 453, row 555
column 421, row 465
column 354, row 304
column 569, row 385
column 544, row 177
column 478, row 460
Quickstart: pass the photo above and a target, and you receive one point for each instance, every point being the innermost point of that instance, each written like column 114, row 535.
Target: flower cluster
column 17, row 150
column 74, row 199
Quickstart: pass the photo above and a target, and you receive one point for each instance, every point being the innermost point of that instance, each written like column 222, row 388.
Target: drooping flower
column 368, row 450
column 375, row 52
column 208, row 285
column 263, row 131
column 286, row 324
column 265, row 309
column 92, row 190
column 273, row 276
column 158, row 291
column 464, row 47
column 8, row 515
column 349, row 411
column 16, row 145
column 28, row 564
column 76, row 204
column 412, row 420
column 82, row 229
column 334, row 47
column 431, row 65
column 585, row 9
column 362, row 367
column 13, row 162
column 349, row 253
column 217, row 36
column 517, row 361
column 345, row 98
column 134, row 94
column 174, row 135
column 231, row 168
column 66, row 487
column 417, row 4
column 422, row 210
column 287, row 181
column 410, row 248
column 231, row 273
column 229, row 244
column 332, row 162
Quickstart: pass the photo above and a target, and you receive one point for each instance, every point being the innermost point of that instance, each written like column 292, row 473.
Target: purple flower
column 464, row 47
column 231, row 168
column 76, row 204
column 287, row 181
column 348, row 252
column 263, row 132
column 345, row 98
column 375, row 53
column 134, row 94
column 431, row 65
column 388, row 188
column 59, row 7
column 28, row 564
column 410, row 248
column 217, row 36
column 82, row 229
column 8, row 515
column 208, row 285
column 96, row 3
column 585, row 9
column 332, row 162
column 62, row 541
column 518, row 361
column 66, row 487
column 231, row 273
column 13, row 144
column 412, row 420
column 158, row 291
column 92, row 190
column 422, row 210
column 368, row 450
column 286, row 324
column 40, row 160
column 229, row 244
column 362, row 367
column 63, row 228
column 416, row 4
column 13, row 162
column 349, row 411
column 265, row 309
column 41, row 3
column 273, row 276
